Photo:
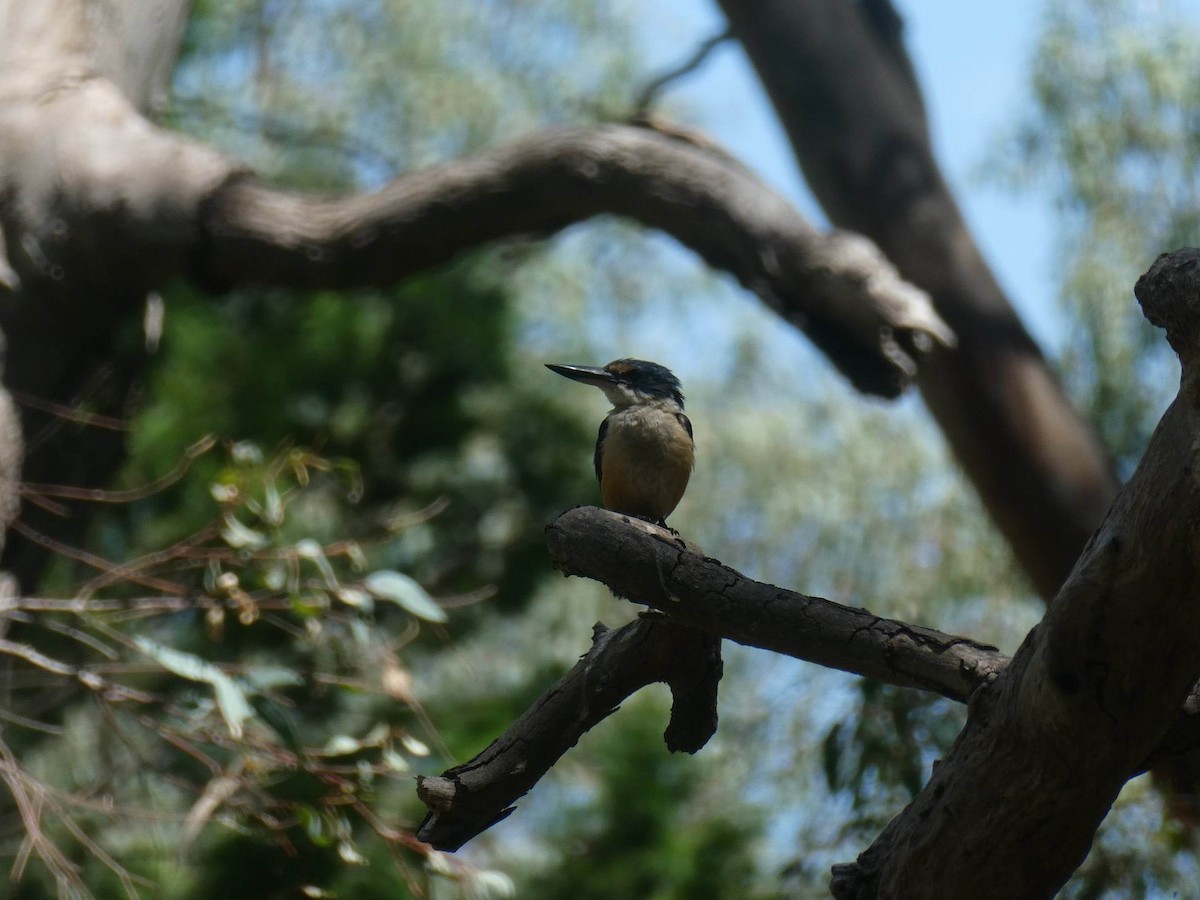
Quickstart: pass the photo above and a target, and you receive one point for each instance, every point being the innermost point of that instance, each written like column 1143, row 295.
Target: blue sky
column 972, row 60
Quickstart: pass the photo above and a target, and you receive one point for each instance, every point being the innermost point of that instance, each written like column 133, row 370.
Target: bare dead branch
column 467, row 799
column 646, row 564
column 837, row 286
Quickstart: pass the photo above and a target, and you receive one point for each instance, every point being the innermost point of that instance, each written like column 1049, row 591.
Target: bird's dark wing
column 598, row 458
column 683, row 420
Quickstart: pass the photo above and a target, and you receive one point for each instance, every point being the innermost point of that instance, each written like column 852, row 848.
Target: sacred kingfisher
column 644, row 452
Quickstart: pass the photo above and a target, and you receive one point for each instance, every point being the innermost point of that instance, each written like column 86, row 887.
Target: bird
column 644, row 451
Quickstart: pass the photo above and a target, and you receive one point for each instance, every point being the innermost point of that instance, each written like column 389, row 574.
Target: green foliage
column 417, row 385
column 461, row 455
column 274, row 698
column 275, row 735
column 280, row 678
column 880, row 753
column 1113, row 137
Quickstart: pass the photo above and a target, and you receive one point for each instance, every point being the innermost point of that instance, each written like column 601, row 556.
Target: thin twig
column 68, row 413
column 97, row 495
column 650, row 92
column 33, row 724
column 91, row 559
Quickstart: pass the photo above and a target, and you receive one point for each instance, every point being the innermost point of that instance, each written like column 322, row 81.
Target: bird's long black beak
column 587, row 374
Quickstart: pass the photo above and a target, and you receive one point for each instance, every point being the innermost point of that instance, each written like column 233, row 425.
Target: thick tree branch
column 836, row 286
column 1011, row 812
column 133, row 43
column 467, row 799
column 838, row 76
column 646, row 564
column 98, row 207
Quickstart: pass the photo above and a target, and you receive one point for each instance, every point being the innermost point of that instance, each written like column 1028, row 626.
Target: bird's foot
column 661, row 523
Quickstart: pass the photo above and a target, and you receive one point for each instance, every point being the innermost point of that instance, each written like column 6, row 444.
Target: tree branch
column 467, row 799
column 837, row 287
column 838, row 76
column 648, row 94
column 649, row 566
column 646, row 562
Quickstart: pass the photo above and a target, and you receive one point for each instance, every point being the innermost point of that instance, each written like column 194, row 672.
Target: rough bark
column 651, row 567
column 842, row 84
column 1012, row 810
column 97, row 208
column 703, row 602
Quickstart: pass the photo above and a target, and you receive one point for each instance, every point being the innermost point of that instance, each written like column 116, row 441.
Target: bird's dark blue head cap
column 627, row 381
column 648, row 377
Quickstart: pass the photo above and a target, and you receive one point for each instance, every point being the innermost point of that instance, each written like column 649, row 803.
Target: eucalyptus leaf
column 349, row 855
column 239, row 536
column 405, row 593
column 311, row 550
column 280, row 720
column 341, row 745
column 356, row 597
column 235, row 708
column 491, row 885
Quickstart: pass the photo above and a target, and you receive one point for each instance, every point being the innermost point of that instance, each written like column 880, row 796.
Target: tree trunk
column 75, row 78
column 841, row 82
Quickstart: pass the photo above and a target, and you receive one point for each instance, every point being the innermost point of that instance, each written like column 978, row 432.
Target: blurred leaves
column 280, row 709
column 231, row 699
column 650, row 833
column 405, row 593
column 1114, row 136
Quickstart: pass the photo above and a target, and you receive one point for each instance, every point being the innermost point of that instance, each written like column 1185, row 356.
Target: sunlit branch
column 835, row 286
column 648, row 565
